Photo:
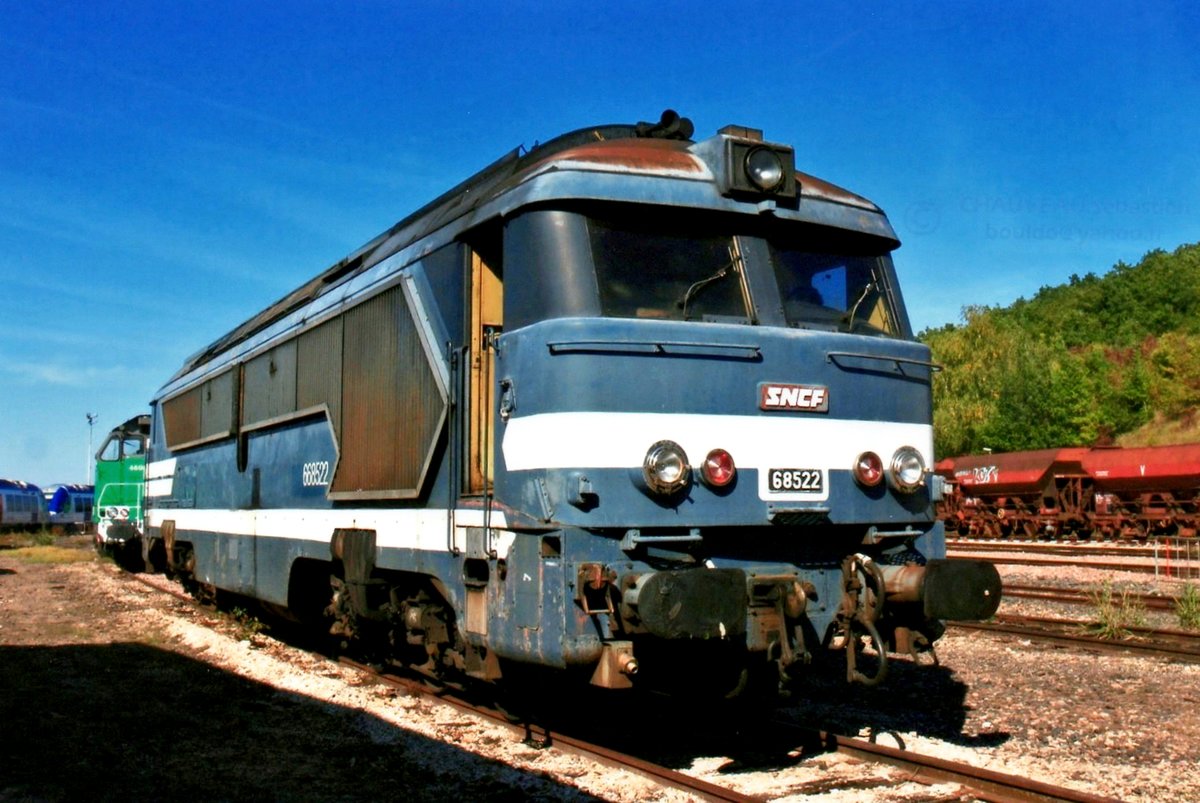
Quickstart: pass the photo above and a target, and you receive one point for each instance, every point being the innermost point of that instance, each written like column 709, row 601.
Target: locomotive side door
column 487, row 322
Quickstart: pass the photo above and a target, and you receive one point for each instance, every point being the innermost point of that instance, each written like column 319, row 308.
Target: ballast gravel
column 110, row 689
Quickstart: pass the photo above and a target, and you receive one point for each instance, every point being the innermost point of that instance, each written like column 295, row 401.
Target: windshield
column 833, row 291
column 118, row 447
column 692, row 265
column 652, row 271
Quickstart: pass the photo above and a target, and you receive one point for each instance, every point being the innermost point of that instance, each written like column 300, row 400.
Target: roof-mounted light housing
column 757, row 168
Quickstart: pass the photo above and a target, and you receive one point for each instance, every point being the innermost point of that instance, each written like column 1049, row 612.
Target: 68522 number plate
column 795, row 480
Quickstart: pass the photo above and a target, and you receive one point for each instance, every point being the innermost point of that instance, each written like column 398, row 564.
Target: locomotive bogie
column 604, row 408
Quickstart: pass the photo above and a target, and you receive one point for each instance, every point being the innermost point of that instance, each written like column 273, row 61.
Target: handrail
column 683, row 348
column 830, row 356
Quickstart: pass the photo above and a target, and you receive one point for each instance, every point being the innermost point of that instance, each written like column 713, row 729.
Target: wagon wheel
column 1135, row 529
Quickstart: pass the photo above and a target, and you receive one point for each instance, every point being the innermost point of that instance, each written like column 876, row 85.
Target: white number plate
column 314, row 474
column 796, row 480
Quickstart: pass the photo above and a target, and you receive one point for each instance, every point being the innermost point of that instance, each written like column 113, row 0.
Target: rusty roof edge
column 814, row 187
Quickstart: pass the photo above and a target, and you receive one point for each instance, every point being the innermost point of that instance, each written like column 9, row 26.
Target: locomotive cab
column 723, row 397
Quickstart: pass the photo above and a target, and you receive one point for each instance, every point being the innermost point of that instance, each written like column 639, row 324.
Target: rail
column 977, row 783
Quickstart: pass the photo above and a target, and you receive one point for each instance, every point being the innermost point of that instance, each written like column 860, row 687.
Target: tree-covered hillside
column 1097, row 360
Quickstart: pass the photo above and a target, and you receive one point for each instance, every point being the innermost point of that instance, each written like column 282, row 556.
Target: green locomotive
column 120, row 482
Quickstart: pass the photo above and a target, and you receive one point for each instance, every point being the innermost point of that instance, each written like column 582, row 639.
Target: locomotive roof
column 139, row 423
column 68, row 488
column 662, row 148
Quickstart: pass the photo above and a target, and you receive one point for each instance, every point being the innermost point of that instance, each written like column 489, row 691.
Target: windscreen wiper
column 854, row 309
column 694, row 290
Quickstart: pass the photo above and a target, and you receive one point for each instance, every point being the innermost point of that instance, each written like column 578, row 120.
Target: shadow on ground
column 914, row 699
column 127, row 721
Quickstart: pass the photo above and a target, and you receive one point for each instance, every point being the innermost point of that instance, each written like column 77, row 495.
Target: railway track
column 1073, row 548
column 1082, row 596
column 786, row 739
column 1161, row 561
column 1176, row 645
column 1049, row 547
column 977, row 783
column 1021, row 560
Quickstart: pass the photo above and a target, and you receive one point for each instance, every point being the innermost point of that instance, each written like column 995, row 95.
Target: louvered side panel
column 216, row 406
column 392, row 406
column 370, row 414
column 181, row 417
column 420, row 403
column 319, row 371
column 269, row 385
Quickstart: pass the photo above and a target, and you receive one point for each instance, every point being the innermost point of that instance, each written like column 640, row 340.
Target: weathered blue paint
column 253, row 503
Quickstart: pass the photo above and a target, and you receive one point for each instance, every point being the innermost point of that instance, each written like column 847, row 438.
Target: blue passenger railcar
column 22, row 506
column 627, row 405
column 69, row 506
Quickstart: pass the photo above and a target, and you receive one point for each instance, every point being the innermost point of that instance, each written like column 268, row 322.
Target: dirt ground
column 110, row 689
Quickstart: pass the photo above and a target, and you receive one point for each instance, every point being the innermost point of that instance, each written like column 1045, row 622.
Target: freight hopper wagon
column 1144, row 492
column 1025, row 494
column 636, row 408
column 1104, row 492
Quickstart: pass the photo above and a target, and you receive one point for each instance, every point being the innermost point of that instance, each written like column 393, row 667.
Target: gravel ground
column 110, row 689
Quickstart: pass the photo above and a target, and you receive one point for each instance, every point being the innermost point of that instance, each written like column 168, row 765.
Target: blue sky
column 167, row 169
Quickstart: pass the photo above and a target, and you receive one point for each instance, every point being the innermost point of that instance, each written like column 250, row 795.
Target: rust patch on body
column 813, row 187
column 649, row 155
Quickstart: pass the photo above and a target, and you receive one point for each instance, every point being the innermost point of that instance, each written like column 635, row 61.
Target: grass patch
column 1116, row 612
column 22, row 540
column 246, row 625
column 1187, row 607
column 51, row 554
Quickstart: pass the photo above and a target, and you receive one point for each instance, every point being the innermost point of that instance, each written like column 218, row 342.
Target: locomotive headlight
column 666, row 468
column 868, row 469
column 718, row 469
column 907, row 471
column 753, row 167
column 764, row 168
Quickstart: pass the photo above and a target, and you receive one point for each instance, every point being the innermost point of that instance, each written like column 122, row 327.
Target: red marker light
column 868, row 469
column 718, row 469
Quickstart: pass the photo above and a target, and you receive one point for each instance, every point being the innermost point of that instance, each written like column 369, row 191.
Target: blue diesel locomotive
column 639, row 408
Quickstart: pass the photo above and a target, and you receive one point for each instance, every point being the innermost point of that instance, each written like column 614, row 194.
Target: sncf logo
column 807, row 398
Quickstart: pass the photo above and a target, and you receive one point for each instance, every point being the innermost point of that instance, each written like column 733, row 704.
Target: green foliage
column 18, row 540
column 246, row 625
column 1187, row 607
column 1115, row 613
column 1078, row 364
column 51, row 554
